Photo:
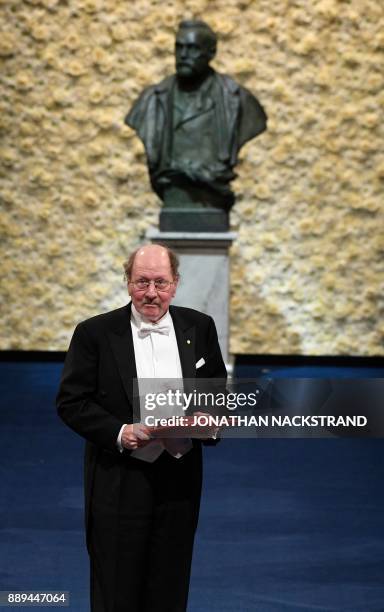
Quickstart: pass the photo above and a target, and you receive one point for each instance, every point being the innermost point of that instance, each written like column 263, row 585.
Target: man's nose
column 151, row 291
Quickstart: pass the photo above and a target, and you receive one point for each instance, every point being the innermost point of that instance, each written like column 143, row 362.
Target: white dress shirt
column 156, row 356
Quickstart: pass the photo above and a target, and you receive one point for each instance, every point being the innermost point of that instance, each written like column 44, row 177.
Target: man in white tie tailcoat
column 142, row 495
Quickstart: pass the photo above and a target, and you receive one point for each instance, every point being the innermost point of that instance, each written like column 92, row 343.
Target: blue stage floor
column 286, row 525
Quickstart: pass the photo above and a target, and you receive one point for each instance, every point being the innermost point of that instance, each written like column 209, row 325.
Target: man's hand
column 135, row 436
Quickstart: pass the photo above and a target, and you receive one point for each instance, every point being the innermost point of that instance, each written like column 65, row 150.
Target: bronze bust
column 193, row 125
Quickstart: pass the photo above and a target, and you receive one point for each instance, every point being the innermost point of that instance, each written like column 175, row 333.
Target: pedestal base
column 204, row 274
column 193, row 220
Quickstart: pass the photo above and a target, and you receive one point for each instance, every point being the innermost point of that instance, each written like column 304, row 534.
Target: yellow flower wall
column 307, row 266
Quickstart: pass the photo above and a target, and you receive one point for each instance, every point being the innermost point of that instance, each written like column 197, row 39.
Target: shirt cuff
column 118, row 441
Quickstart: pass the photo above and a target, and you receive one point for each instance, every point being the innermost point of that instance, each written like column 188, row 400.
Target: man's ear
column 175, row 284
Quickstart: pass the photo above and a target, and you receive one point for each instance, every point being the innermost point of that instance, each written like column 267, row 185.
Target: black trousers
column 141, row 551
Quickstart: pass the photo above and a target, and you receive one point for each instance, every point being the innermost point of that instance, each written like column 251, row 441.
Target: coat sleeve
column 77, row 399
column 218, row 369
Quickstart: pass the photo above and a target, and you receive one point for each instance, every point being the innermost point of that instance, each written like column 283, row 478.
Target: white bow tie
column 146, row 329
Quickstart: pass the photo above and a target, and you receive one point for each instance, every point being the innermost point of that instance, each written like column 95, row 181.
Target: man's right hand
column 135, row 436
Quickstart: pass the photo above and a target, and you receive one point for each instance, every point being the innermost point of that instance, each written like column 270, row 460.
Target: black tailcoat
column 96, row 393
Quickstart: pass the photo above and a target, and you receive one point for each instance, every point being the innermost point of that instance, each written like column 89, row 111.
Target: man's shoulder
column 189, row 315
column 107, row 320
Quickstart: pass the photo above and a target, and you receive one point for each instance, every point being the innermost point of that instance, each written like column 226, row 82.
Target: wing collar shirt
column 156, row 356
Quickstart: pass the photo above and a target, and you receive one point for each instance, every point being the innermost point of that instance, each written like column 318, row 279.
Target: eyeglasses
column 160, row 284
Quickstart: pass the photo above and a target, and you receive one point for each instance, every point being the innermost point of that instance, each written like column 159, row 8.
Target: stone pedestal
column 204, row 274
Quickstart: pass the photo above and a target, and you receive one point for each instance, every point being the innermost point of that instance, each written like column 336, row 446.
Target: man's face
column 193, row 53
column 152, row 264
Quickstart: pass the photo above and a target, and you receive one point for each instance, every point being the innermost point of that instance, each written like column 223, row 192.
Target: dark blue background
column 286, row 525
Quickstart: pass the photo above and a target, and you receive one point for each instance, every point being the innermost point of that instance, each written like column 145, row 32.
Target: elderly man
column 142, row 495
column 193, row 125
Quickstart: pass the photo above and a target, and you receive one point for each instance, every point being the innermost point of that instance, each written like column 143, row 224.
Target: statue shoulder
column 142, row 104
column 163, row 86
column 228, row 82
column 253, row 116
column 234, row 87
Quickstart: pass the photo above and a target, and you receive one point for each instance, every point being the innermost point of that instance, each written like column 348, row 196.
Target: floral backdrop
column 307, row 265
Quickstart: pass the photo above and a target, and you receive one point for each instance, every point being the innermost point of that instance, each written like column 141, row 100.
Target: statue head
column 195, row 48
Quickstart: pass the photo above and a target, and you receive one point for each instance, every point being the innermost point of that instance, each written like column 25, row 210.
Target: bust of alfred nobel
column 193, row 125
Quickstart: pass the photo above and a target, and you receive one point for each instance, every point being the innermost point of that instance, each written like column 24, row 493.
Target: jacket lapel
column 191, row 112
column 121, row 342
column 186, row 342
